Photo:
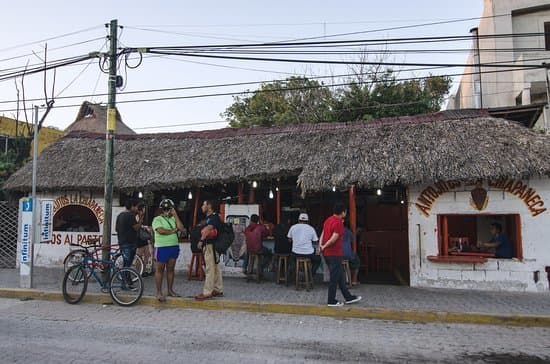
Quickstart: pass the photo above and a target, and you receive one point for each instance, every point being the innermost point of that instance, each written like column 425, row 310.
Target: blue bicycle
column 125, row 284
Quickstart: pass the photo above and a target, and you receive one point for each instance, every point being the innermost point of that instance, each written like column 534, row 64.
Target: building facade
column 522, row 29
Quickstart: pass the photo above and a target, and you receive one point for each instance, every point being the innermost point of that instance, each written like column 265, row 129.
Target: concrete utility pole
column 109, row 142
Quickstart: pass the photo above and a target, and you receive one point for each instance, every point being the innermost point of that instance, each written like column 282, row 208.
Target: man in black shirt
column 213, row 284
column 127, row 225
column 282, row 244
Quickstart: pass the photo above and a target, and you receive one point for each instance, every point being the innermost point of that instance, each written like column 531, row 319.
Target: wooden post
column 445, row 247
column 278, row 203
column 196, row 210
column 353, row 215
column 251, row 196
column 240, row 198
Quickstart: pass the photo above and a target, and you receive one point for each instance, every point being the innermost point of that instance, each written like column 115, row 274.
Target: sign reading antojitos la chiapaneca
column 528, row 195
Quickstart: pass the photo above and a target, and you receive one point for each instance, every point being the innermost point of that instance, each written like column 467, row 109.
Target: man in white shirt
column 303, row 236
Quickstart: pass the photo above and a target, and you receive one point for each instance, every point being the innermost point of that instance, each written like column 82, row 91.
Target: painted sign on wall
column 46, row 220
column 528, row 195
column 26, row 229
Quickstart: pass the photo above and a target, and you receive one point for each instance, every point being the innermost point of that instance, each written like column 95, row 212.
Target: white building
column 523, row 29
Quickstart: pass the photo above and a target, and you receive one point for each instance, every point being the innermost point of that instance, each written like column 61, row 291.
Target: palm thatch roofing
column 92, row 118
column 452, row 145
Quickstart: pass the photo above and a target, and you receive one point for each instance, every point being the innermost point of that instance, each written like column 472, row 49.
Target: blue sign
column 27, row 205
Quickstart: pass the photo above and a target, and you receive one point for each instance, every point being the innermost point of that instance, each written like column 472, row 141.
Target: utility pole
column 109, row 142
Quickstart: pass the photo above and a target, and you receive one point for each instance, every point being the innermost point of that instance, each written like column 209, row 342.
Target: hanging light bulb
column 140, row 195
column 190, row 195
column 254, row 184
column 379, row 192
column 277, row 189
column 271, row 194
column 402, row 202
column 333, row 188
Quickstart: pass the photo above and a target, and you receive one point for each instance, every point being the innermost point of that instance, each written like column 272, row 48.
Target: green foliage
column 300, row 100
column 296, row 100
column 10, row 161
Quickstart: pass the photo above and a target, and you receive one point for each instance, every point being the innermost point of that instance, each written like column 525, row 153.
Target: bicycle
column 125, row 284
column 75, row 256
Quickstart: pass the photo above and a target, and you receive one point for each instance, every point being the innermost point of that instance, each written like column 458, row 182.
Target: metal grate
column 8, row 234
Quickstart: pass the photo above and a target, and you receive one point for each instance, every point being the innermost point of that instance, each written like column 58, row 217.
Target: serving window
column 462, row 238
column 75, row 218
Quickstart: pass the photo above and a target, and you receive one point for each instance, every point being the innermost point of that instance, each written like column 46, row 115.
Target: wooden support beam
column 251, row 196
column 278, row 203
column 196, row 210
column 353, row 215
column 240, row 196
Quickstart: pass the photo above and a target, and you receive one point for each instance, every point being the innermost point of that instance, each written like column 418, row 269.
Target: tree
column 296, row 100
column 368, row 94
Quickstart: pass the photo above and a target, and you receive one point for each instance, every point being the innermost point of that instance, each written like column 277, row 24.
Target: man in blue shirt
column 499, row 241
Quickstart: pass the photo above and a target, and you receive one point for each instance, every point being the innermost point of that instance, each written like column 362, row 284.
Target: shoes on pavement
column 217, row 293
column 354, row 299
column 336, row 304
column 202, row 297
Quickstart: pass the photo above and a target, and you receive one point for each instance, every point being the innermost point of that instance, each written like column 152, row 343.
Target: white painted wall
column 496, row 274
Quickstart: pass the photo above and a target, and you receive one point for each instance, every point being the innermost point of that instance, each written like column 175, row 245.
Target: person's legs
column 267, row 256
column 128, row 254
column 170, row 268
column 159, row 272
column 209, row 270
column 333, row 264
column 341, row 280
column 315, row 263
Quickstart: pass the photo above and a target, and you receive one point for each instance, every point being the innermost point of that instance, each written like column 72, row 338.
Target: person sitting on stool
column 255, row 234
column 303, row 236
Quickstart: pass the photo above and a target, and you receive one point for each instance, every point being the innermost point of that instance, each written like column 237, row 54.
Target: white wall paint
column 496, row 274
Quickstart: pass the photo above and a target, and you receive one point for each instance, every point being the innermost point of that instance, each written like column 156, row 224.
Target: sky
column 79, row 28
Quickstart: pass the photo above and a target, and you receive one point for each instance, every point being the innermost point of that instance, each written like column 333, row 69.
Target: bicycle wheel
column 138, row 264
column 126, row 286
column 75, row 284
column 74, row 258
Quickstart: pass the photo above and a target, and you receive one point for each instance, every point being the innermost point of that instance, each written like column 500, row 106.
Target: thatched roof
column 92, row 118
column 451, row 145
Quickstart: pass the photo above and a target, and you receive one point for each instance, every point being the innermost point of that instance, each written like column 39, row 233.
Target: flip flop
column 161, row 298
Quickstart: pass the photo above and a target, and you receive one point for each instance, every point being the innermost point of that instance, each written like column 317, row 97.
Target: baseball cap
column 167, row 204
column 303, row 217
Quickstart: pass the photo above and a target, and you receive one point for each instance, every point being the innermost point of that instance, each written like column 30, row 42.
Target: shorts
column 165, row 253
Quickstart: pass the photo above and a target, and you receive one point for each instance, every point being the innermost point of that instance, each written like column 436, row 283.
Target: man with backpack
column 213, row 284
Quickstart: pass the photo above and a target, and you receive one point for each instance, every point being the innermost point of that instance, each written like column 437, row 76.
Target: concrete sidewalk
column 379, row 301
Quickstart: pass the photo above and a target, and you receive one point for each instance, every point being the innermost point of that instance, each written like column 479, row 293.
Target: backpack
column 225, row 238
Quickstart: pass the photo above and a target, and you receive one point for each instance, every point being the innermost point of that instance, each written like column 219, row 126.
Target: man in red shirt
column 332, row 247
column 255, row 234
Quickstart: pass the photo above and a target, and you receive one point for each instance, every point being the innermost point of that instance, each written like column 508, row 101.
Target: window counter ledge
column 456, row 259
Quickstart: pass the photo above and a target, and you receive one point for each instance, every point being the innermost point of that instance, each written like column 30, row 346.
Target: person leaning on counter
column 499, row 242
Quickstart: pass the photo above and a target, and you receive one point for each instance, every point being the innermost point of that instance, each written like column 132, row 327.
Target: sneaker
column 354, row 299
column 202, row 297
column 336, row 304
column 217, row 293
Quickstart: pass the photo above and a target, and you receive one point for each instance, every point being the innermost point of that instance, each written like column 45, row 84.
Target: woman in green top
column 167, row 248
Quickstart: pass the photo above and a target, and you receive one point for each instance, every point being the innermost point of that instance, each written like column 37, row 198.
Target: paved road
column 55, row 332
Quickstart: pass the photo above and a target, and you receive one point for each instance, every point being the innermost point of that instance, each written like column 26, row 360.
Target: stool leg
column 190, row 272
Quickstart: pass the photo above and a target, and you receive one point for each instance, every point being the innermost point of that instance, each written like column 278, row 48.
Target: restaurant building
column 421, row 190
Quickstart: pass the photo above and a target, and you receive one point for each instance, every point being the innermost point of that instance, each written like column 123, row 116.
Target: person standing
column 303, row 236
column 332, row 247
column 127, row 225
column 167, row 248
column 213, row 284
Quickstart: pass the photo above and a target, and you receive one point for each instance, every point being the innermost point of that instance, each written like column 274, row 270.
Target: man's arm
column 334, row 237
column 204, row 234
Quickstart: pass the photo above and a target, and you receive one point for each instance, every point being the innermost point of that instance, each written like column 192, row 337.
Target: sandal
column 161, row 298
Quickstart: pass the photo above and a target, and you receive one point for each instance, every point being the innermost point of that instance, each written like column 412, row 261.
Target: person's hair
column 338, row 208
column 213, row 204
column 131, row 202
column 254, row 218
column 497, row 226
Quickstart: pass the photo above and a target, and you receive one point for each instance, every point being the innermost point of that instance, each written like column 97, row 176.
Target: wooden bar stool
column 254, row 267
column 282, row 268
column 196, row 270
column 303, row 265
column 347, row 271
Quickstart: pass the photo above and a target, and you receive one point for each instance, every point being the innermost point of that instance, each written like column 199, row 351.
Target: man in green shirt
column 167, row 248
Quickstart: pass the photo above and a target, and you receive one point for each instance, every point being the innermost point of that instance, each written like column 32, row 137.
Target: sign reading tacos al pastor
column 528, row 195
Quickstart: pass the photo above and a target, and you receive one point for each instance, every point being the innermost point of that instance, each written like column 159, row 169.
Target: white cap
column 303, row 217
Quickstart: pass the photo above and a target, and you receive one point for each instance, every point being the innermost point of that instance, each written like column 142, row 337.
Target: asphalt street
column 56, row 332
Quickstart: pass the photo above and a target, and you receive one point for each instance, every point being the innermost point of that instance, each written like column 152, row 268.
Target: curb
column 303, row 309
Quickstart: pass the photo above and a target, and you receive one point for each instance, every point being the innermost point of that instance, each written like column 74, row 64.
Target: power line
column 51, row 38
column 318, row 61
